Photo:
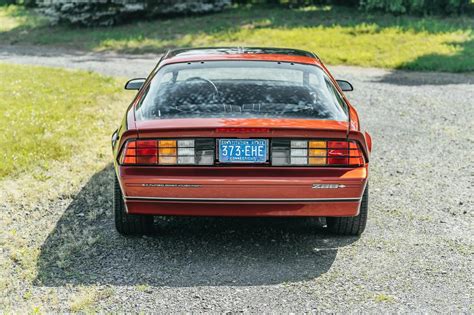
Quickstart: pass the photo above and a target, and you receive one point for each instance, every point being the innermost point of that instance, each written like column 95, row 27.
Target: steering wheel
column 209, row 82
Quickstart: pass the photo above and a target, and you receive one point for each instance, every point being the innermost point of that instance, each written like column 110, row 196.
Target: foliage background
column 110, row 12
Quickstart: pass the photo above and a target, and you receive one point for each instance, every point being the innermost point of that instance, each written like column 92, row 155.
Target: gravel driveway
column 415, row 256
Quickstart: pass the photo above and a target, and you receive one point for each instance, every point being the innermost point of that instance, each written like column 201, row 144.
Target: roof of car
column 239, row 53
column 205, row 51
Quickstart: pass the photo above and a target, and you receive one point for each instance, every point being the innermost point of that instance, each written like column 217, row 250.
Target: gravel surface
column 415, row 256
column 120, row 65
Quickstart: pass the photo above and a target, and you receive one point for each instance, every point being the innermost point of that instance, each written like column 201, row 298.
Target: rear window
column 241, row 89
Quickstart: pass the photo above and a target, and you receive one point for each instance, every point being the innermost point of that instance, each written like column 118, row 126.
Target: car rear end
column 256, row 147
column 293, row 172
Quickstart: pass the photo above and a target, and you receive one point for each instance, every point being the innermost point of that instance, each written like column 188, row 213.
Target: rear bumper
column 243, row 209
column 242, row 191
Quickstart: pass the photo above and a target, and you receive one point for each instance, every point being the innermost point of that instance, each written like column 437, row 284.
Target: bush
column 7, row 2
column 172, row 7
column 111, row 12
column 416, row 6
column 26, row 3
column 420, row 7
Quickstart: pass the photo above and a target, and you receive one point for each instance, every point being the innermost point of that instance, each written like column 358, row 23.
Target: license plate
column 243, row 150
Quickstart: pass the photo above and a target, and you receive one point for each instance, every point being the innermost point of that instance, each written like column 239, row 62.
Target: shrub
column 416, row 6
column 387, row 6
column 26, row 3
column 110, row 12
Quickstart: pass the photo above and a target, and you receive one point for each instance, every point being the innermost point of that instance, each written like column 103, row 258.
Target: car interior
column 197, row 96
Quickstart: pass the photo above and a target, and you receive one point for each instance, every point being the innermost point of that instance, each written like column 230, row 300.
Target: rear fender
column 364, row 141
column 368, row 139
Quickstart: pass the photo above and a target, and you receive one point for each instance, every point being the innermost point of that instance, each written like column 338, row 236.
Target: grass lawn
column 48, row 114
column 338, row 35
column 56, row 127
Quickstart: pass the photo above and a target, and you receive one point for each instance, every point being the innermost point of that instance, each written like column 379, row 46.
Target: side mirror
column 134, row 84
column 345, row 85
column 114, row 138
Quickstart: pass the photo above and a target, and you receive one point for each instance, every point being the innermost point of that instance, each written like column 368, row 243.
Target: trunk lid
column 190, row 126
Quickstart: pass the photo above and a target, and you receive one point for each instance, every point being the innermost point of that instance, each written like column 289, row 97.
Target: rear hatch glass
column 241, row 89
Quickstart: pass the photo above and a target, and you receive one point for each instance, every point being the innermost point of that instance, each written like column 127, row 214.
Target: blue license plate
column 243, row 150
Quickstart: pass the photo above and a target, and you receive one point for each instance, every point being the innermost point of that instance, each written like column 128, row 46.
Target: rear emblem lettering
column 328, row 186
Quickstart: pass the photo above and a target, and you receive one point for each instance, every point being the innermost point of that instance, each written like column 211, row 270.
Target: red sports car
column 240, row 132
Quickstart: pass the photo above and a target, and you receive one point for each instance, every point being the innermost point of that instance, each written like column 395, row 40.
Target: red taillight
column 129, row 160
column 140, row 152
column 344, row 153
column 168, row 152
column 338, row 152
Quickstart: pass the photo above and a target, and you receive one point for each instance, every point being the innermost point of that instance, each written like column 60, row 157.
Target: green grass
column 48, row 113
column 339, row 35
column 55, row 126
column 15, row 18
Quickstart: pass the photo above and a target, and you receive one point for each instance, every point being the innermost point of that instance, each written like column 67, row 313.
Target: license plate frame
column 233, row 159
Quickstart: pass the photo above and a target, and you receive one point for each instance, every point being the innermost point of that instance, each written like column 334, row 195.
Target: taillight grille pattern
column 287, row 152
column 284, row 152
column 169, row 152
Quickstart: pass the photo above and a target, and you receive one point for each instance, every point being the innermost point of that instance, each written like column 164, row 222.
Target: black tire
column 129, row 224
column 353, row 226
